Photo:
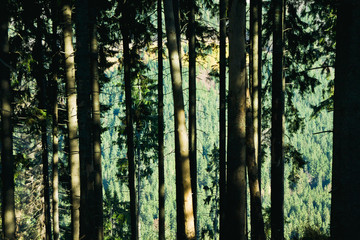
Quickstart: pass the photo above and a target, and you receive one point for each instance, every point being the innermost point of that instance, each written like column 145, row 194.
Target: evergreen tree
column 7, row 160
column 344, row 209
column 236, row 154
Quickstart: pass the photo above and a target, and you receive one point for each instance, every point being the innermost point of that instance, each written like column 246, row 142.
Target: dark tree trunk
column 129, row 120
column 74, row 158
column 345, row 211
column 161, row 125
column 222, row 117
column 277, row 128
column 39, row 74
column 252, row 124
column 54, row 111
column 98, row 203
column 185, row 217
column 83, row 77
column 236, row 168
column 192, row 108
column 7, row 160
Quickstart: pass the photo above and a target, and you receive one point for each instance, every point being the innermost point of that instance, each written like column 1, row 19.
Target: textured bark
column 39, row 74
column 185, row 215
column 83, row 78
column 74, row 158
column 255, row 75
column 257, row 221
column 345, row 209
column 129, row 120
column 277, row 125
column 54, row 110
column 222, row 117
column 252, row 124
column 7, row 160
column 161, row 125
column 236, row 158
column 98, row 204
column 192, row 108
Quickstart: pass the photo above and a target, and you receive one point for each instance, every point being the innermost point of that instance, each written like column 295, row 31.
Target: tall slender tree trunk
column 7, row 160
column 39, row 73
column 192, row 108
column 222, row 117
column 259, row 87
column 185, row 214
column 252, row 124
column 161, row 125
column 277, row 122
column 345, row 211
column 54, row 108
column 129, row 120
column 236, row 158
column 83, row 77
column 74, row 157
column 98, row 205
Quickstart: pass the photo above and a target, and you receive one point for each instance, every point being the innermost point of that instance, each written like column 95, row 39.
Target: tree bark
column 83, row 78
column 39, row 74
column 277, row 129
column 129, row 120
column 7, row 160
column 192, row 108
column 236, row 159
column 222, row 117
column 252, row 124
column 98, row 205
column 74, row 158
column 54, row 109
column 185, row 214
column 161, row 125
column 345, row 211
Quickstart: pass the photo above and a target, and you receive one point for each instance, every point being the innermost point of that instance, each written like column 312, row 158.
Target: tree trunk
column 39, row 74
column 96, row 124
column 129, row 120
column 252, row 125
column 236, row 173
column 74, row 158
column 185, row 216
column 345, row 209
column 54, row 108
column 161, row 125
column 255, row 75
column 257, row 222
column 83, row 78
column 7, row 160
column 222, row 117
column 277, row 129
column 192, row 108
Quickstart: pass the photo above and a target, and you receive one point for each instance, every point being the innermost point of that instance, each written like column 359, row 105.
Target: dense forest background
column 124, row 38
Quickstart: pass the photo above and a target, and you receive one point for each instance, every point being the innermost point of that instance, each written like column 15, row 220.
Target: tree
column 96, row 123
column 185, row 217
column 277, row 125
column 74, row 158
column 345, row 178
column 55, row 119
column 7, row 159
column 161, row 124
column 39, row 74
column 222, row 117
column 253, row 128
column 192, row 107
column 236, row 158
column 83, row 77
column 126, row 24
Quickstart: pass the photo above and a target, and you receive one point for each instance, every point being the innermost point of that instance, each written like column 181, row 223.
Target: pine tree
column 7, row 160
column 236, row 155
